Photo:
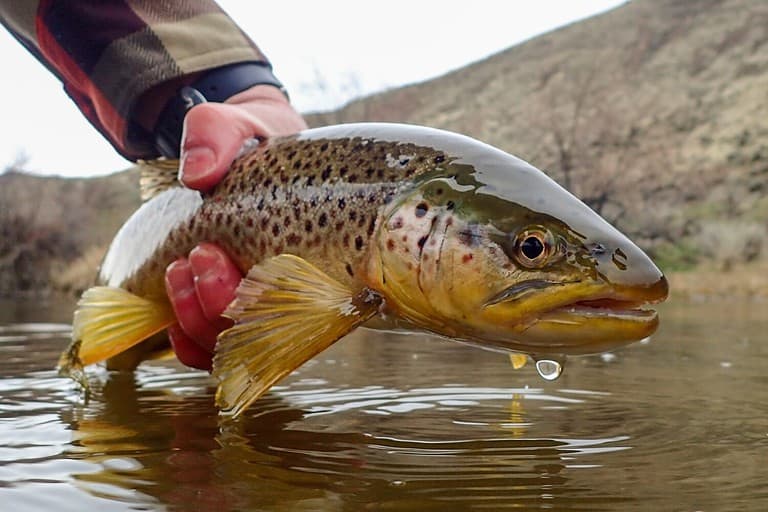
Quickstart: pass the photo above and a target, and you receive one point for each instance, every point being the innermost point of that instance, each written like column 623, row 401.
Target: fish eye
column 533, row 247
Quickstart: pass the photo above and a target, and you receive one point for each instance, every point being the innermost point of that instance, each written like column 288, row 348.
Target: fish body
column 384, row 225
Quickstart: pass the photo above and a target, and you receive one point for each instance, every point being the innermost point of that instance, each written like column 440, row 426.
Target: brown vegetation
column 48, row 224
column 656, row 114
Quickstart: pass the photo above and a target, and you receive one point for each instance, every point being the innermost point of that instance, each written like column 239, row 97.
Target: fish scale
column 271, row 202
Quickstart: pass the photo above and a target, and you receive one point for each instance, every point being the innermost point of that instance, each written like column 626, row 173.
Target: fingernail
column 197, row 162
column 205, row 261
column 177, row 276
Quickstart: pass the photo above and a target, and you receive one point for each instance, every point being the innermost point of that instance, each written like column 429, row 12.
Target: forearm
column 119, row 59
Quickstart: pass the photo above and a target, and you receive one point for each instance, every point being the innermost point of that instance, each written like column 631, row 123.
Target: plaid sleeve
column 109, row 52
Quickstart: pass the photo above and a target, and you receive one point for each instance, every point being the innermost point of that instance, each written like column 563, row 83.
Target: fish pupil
column 532, row 247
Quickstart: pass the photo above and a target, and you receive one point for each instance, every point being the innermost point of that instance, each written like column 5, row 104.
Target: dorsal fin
column 157, row 176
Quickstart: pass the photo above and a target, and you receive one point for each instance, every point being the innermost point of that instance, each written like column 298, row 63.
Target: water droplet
column 549, row 367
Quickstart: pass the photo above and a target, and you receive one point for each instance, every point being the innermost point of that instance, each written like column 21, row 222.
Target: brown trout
column 391, row 226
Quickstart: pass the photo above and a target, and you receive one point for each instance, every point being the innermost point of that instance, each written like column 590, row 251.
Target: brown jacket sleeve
column 108, row 53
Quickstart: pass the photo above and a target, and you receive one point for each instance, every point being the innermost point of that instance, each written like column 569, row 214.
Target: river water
column 399, row 422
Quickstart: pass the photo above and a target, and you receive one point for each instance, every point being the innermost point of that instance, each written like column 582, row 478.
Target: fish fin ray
column 286, row 311
column 109, row 321
column 518, row 360
column 158, row 176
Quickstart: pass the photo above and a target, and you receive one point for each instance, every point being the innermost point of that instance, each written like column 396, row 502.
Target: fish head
column 491, row 251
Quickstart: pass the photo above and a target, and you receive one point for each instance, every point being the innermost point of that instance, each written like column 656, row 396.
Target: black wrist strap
column 216, row 85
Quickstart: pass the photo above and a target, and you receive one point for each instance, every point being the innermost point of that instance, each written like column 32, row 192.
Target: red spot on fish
column 390, row 244
column 467, row 257
column 396, row 223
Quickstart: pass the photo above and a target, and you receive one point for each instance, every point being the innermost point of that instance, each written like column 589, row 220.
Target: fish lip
column 620, row 302
column 604, row 308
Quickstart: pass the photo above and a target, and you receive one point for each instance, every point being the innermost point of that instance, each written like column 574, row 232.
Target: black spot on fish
column 352, row 178
column 349, row 270
column 422, row 241
column 275, row 229
column 310, row 180
column 308, row 226
column 326, row 173
column 287, row 221
column 371, row 226
column 323, row 146
column 439, row 159
column 342, row 203
column 293, row 239
column 322, row 220
column 343, row 171
column 291, row 155
column 421, row 209
column 358, row 242
column 345, row 241
column 353, row 215
column 450, row 205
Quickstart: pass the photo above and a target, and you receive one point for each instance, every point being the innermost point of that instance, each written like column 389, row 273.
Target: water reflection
column 317, row 448
column 393, row 423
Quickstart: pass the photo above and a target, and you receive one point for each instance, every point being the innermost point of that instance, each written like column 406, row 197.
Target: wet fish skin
column 387, row 225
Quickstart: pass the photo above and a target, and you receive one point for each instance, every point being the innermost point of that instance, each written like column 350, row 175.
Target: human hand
column 202, row 286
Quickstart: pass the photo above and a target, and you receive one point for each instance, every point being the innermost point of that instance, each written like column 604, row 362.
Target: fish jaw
column 595, row 321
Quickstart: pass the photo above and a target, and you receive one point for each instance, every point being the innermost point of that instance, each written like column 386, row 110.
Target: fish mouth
column 602, row 321
column 604, row 308
column 583, row 318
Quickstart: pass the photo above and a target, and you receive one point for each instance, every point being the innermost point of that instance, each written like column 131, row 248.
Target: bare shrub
column 731, row 242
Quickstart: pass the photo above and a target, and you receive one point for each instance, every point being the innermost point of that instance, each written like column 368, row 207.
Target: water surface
column 386, row 422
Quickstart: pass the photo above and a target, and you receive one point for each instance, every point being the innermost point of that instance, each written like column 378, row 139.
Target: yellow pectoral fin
column 286, row 311
column 518, row 360
column 109, row 321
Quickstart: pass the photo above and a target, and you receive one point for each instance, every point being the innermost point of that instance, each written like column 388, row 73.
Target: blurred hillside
column 655, row 114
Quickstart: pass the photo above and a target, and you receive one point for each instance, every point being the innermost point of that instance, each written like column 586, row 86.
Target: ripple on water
column 432, row 445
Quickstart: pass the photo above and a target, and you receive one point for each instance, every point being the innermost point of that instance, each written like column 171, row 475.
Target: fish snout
column 631, row 272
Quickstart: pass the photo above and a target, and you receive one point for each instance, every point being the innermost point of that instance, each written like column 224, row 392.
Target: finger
column 188, row 351
column 213, row 135
column 180, row 286
column 216, row 278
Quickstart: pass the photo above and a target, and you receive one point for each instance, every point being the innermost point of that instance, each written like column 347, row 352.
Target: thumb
column 213, row 135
